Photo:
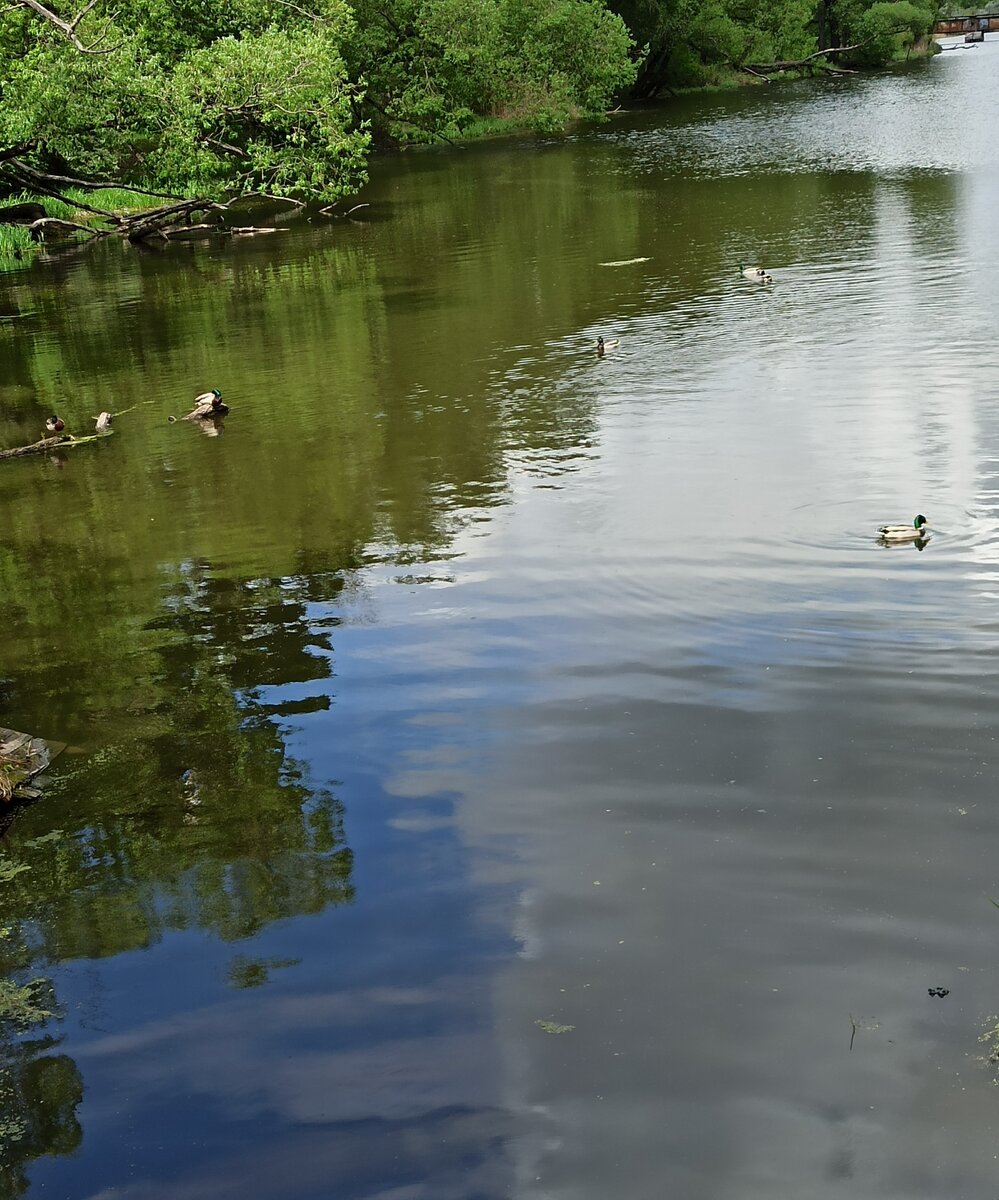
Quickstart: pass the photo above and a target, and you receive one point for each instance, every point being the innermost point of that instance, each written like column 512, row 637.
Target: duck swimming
column 208, row 404
column 915, row 532
column 54, row 424
column 603, row 346
column 756, row 274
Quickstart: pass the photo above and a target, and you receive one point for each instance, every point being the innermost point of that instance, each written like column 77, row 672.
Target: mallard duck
column 756, row 274
column 104, row 422
column 54, row 424
column 603, row 346
column 905, row 533
column 208, row 404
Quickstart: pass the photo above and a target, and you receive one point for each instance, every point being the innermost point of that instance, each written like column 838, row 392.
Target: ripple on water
column 898, row 124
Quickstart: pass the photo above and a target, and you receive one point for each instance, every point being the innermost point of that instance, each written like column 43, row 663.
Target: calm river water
column 497, row 772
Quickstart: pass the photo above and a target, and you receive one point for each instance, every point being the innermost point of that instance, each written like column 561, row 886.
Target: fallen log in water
column 52, row 443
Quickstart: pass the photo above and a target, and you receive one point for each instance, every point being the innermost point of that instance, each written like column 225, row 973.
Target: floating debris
column 554, row 1027
column 247, row 972
column 940, row 992
column 990, row 1039
column 624, row 262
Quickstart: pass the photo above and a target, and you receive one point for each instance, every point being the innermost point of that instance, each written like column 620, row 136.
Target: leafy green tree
column 216, row 99
column 686, row 38
column 436, row 67
column 884, row 28
column 211, row 98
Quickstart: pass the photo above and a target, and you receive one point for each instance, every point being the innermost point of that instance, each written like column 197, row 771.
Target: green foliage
column 434, row 68
column 205, row 97
column 20, row 1004
column 216, row 99
column 271, row 110
column 885, row 29
column 9, row 871
column 688, row 40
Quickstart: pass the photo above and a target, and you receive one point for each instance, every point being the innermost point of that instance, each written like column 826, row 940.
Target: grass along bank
column 18, row 246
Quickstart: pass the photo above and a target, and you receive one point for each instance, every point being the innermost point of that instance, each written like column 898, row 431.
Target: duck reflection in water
column 919, row 543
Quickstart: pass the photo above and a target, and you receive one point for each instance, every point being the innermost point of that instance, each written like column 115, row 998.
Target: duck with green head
column 208, row 404
column 916, row 532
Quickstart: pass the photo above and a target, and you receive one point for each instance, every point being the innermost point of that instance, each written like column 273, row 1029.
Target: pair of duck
column 756, row 274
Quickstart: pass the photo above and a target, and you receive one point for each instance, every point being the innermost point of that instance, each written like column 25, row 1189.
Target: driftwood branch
column 328, row 211
column 58, row 225
column 155, row 222
column 52, row 443
column 36, row 447
column 268, row 196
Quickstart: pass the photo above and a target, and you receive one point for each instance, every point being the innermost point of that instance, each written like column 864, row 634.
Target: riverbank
column 19, row 245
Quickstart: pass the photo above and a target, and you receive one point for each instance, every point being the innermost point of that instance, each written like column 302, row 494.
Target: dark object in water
column 22, row 757
column 941, row 992
column 21, row 214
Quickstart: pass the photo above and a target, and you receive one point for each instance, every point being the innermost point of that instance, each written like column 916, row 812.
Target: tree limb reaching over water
column 797, row 64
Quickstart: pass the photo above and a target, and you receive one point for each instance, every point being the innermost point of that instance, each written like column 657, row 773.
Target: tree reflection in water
column 193, row 817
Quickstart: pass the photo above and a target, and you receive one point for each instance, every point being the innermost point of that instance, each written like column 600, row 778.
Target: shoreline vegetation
column 170, row 119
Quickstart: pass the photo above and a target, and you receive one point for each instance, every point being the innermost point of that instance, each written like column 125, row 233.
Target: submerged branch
column 52, row 443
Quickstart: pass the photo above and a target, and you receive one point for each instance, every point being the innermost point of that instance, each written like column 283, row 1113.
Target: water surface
column 468, row 681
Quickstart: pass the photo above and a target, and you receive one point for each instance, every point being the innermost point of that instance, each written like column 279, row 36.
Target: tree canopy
column 223, row 98
column 219, row 98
